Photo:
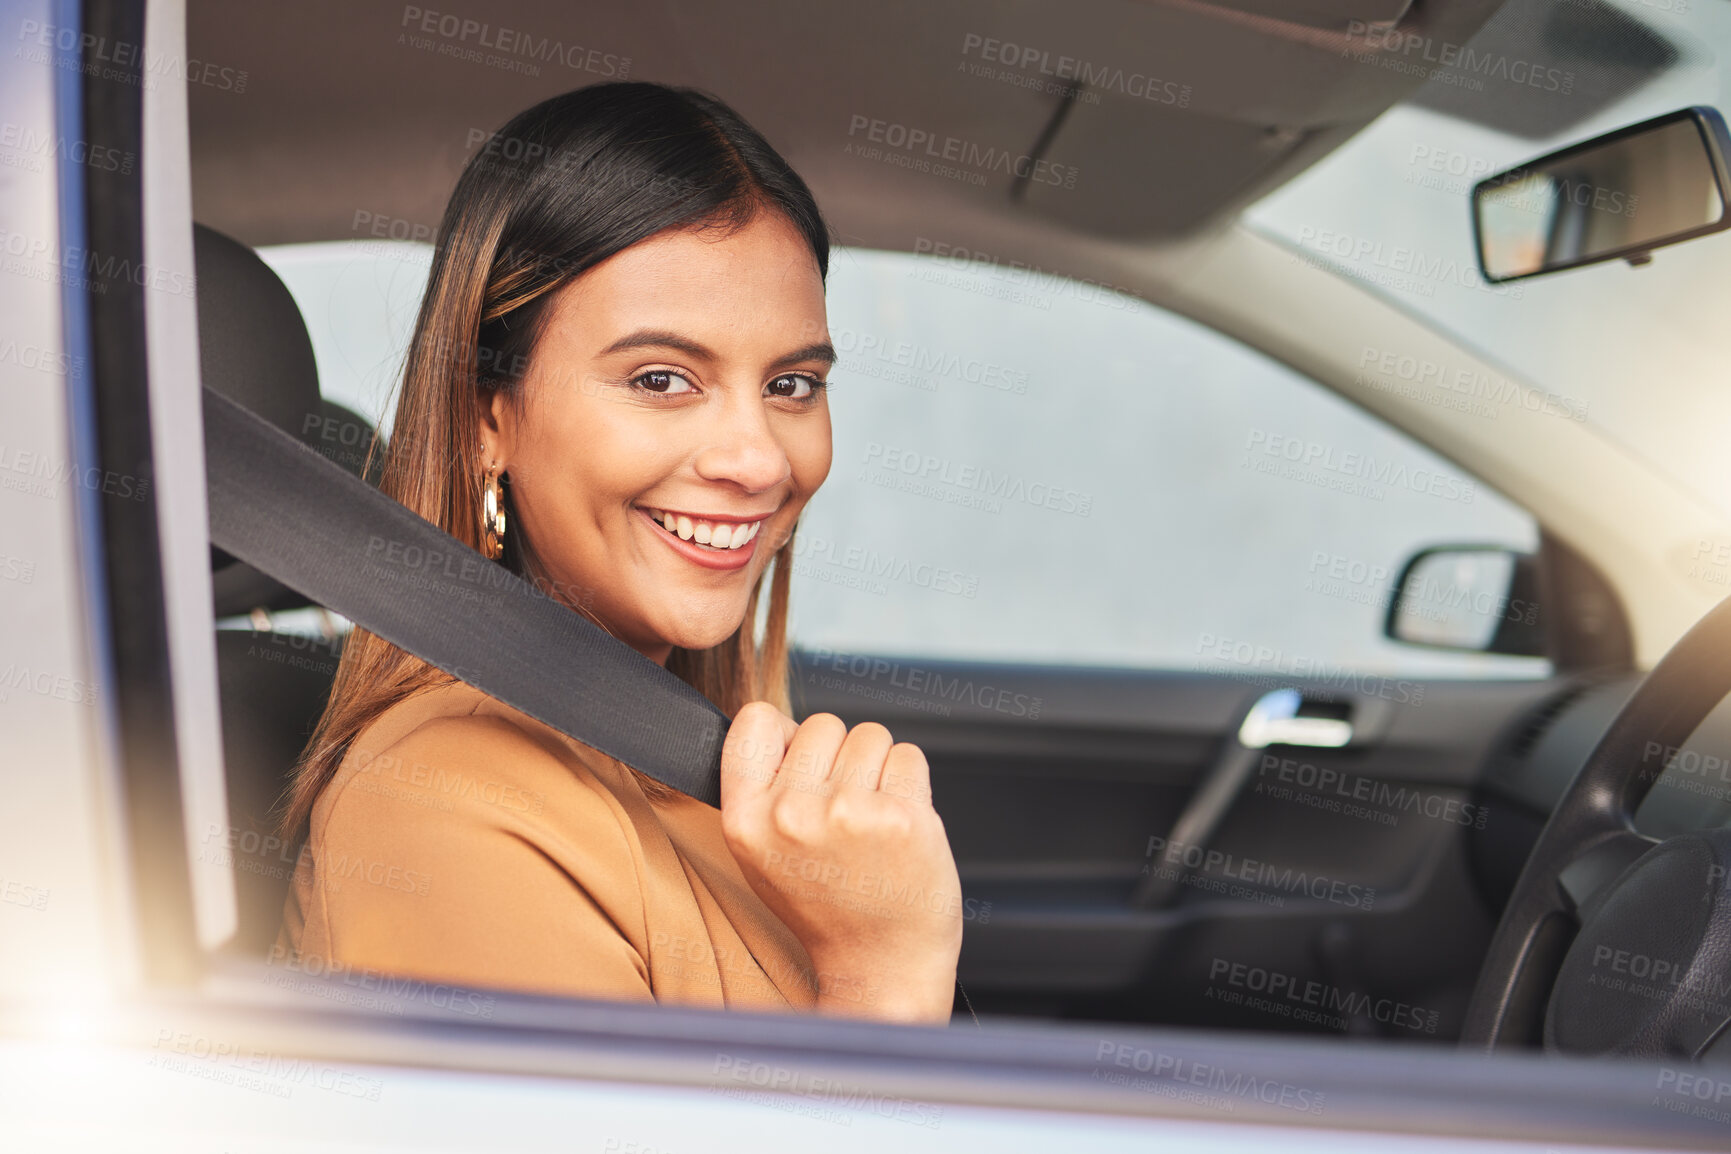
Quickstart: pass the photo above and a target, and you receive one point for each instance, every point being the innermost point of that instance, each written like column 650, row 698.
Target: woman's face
column 682, row 380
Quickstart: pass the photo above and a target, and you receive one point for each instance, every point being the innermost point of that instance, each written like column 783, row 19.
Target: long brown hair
column 562, row 187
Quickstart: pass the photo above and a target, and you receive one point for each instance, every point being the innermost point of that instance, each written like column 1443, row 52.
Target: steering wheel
column 1648, row 974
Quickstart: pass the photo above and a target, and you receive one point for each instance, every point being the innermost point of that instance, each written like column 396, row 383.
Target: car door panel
column 1348, row 868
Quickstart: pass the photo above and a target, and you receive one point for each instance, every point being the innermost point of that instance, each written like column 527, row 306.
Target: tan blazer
column 461, row 841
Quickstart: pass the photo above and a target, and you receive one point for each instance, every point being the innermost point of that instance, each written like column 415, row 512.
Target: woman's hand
column 835, row 831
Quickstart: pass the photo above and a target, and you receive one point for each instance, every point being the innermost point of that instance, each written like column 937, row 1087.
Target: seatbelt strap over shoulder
column 287, row 511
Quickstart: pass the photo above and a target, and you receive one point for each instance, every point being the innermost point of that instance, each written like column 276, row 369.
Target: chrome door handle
column 1273, row 720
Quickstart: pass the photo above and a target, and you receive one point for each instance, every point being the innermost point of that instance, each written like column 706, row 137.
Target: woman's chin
column 701, row 634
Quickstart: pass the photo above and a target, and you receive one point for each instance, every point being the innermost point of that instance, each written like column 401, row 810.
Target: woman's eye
column 662, row 381
column 794, row 386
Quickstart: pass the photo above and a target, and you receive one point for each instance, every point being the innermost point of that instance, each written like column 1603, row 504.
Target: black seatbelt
column 284, row 509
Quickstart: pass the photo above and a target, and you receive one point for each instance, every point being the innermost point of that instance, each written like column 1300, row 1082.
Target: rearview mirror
column 1623, row 194
column 1479, row 598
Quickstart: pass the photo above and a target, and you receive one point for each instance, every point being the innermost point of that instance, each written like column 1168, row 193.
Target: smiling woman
column 616, row 389
column 686, row 446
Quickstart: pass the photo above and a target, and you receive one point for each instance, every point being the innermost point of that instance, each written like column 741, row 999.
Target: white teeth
column 722, row 535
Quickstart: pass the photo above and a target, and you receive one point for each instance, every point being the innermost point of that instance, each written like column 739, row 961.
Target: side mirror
column 1477, row 598
column 1623, row 194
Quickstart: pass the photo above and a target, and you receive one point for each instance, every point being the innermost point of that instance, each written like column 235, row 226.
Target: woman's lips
column 685, row 538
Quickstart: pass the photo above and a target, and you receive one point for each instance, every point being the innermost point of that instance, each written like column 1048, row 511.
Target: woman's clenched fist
column 836, row 832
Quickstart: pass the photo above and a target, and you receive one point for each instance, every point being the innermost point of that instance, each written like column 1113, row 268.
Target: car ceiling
column 342, row 118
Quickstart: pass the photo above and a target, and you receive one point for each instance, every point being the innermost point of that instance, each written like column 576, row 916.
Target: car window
column 359, row 300
column 1030, row 468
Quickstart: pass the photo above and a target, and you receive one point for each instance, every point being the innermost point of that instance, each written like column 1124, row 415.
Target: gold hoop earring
column 492, row 515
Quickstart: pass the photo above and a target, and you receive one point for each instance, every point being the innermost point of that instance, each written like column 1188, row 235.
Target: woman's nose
column 742, row 448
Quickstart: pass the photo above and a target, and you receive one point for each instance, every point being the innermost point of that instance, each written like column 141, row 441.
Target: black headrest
column 253, row 348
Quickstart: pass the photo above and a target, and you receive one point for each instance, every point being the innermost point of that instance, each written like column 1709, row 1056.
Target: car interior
column 1133, row 854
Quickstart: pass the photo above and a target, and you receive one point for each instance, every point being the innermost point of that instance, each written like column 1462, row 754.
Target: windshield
column 1641, row 352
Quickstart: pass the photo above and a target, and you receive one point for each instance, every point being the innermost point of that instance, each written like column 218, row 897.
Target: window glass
column 359, row 300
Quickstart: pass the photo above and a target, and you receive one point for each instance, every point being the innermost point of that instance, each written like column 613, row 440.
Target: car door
column 1068, row 541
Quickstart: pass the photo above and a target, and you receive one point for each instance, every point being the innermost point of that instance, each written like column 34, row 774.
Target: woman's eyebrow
column 659, row 339
column 665, row 339
column 821, row 351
